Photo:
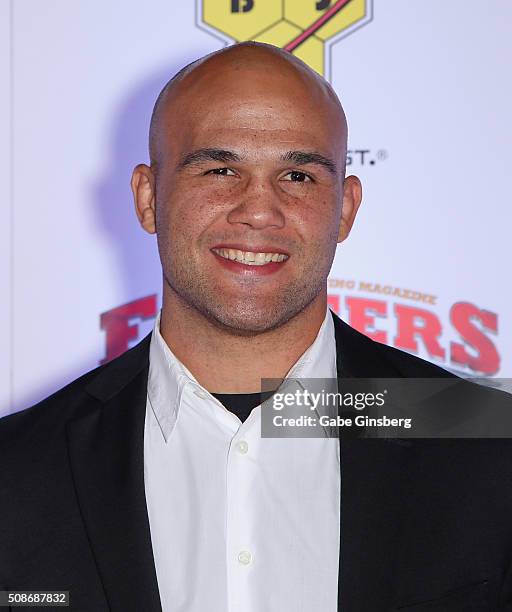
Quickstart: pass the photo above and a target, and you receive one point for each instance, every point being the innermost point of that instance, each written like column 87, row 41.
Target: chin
column 248, row 324
column 243, row 323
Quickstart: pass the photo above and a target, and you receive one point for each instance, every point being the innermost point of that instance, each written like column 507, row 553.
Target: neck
column 223, row 362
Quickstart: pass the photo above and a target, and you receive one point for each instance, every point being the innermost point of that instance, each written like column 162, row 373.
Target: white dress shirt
column 239, row 523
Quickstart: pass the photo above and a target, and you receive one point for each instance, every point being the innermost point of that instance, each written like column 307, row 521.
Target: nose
column 259, row 206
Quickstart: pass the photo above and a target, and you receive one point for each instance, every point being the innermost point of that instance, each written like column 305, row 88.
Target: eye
column 221, row 172
column 298, row 177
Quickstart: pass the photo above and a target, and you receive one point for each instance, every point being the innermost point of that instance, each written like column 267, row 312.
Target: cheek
column 318, row 223
column 184, row 214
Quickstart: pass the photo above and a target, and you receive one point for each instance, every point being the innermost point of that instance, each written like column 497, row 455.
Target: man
column 145, row 485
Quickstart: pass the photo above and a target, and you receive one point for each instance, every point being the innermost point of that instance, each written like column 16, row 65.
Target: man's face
column 233, row 185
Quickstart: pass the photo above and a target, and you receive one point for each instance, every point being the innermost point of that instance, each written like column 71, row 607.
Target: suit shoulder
column 384, row 358
column 50, row 414
column 411, row 365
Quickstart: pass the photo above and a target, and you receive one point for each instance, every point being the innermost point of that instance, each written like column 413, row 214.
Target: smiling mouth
column 250, row 258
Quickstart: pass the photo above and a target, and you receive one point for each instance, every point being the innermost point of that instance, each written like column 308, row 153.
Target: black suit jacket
column 425, row 524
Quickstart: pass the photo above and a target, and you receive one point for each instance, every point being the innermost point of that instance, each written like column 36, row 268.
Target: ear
column 352, row 196
column 143, row 188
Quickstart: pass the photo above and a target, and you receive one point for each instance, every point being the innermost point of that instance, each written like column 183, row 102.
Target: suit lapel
column 373, row 490
column 107, row 458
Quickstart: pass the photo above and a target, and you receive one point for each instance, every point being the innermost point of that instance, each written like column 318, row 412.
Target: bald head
column 238, row 69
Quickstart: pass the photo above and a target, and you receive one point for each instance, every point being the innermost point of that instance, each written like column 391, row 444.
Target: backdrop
column 425, row 90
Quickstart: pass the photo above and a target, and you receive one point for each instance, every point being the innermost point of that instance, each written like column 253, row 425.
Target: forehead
column 252, row 107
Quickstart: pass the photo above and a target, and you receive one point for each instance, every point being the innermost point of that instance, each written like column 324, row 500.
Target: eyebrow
column 300, row 158
column 202, row 155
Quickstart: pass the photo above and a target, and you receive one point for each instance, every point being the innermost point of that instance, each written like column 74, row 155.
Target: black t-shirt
column 241, row 404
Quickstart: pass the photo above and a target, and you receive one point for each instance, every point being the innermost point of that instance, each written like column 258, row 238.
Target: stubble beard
column 246, row 314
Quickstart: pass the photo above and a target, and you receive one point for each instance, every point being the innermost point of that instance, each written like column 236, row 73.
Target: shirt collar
column 168, row 376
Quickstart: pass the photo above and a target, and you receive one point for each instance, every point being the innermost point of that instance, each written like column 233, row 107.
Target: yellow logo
column 306, row 28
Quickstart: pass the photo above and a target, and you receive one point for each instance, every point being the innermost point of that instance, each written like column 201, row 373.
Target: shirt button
column 244, row 557
column 242, row 447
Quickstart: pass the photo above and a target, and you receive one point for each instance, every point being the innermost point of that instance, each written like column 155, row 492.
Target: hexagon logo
column 306, row 28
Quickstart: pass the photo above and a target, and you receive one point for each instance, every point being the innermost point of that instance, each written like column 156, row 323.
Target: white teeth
column 249, row 257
